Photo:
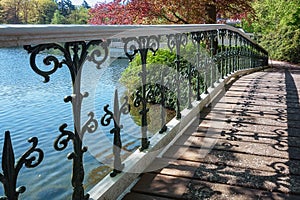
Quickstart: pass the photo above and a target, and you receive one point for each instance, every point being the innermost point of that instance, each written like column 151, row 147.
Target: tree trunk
column 211, row 18
column 211, row 13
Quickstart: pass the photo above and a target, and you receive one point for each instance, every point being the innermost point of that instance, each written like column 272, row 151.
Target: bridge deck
column 247, row 146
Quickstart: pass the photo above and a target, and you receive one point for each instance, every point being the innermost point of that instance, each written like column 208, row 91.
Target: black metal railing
column 202, row 58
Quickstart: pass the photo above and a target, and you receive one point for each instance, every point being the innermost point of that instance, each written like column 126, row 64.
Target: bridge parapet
column 201, row 59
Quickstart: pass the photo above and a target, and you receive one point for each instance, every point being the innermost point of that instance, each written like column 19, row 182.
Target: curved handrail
column 19, row 35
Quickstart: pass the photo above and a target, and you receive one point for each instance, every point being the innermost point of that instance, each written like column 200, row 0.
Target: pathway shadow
column 278, row 180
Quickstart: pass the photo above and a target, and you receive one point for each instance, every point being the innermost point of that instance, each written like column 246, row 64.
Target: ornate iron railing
column 204, row 55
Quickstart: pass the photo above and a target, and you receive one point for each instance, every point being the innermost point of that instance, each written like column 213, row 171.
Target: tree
column 65, row 7
column 11, row 10
column 2, row 14
column 27, row 11
column 45, row 11
column 120, row 12
column 78, row 16
column 277, row 23
column 172, row 11
column 58, row 18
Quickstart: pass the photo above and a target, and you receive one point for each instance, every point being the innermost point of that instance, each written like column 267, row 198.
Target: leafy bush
column 278, row 25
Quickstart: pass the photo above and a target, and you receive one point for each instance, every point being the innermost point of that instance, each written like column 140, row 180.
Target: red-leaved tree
column 168, row 12
column 121, row 12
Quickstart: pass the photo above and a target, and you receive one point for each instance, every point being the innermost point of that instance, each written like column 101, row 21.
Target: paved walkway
column 247, row 146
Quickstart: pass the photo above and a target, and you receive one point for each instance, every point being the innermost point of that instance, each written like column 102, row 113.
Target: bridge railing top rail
column 19, row 35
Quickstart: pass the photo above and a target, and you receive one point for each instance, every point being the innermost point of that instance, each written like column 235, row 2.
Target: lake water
column 29, row 107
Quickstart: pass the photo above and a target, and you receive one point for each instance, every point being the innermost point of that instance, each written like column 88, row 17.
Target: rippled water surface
column 29, row 107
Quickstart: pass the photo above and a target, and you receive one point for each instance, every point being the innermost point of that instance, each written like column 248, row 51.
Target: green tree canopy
column 42, row 12
column 277, row 25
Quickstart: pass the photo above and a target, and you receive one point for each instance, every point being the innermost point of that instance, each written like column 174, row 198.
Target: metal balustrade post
column 175, row 41
column 217, row 59
column 115, row 116
column 11, row 169
column 190, row 93
column 75, row 54
column 240, row 52
column 142, row 45
column 197, row 37
column 248, row 55
column 230, row 35
column 251, row 56
column 244, row 54
column 222, row 34
column 206, row 67
column 164, row 127
column 226, row 55
column 235, row 55
column 212, row 48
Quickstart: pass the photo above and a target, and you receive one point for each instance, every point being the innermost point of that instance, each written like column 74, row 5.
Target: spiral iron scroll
column 74, row 53
column 11, row 170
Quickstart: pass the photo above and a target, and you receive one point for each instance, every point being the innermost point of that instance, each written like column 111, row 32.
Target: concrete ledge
column 111, row 188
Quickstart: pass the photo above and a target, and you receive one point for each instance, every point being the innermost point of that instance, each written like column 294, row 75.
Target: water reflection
column 31, row 108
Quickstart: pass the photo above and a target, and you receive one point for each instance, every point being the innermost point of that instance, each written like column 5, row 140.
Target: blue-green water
column 29, row 107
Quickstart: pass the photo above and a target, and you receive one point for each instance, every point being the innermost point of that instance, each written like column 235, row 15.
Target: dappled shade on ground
column 245, row 146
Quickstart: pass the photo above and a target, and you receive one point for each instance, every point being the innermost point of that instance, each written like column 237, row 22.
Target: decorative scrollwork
column 153, row 43
column 176, row 40
column 34, row 51
column 11, row 171
column 115, row 117
column 137, row 98
column 133, row 45
column 96, row 53
column 27, row 159
column 108, row 116
column 90, row 125
column 125, row 108
column 150, row 96
column 74, row 53
column 196, row 37
column 63, row 139
column 222, row 33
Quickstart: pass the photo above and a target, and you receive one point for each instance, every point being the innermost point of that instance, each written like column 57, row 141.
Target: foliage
column 79, row 16
column 161, row 66
column 195, row 11
column 119, row 12
column 45, row 10
column 65, row 7
column 277, row 23
column 27, row 11
column 42, row 12
column 58, row 18
column 172, row 11
column 163, row 58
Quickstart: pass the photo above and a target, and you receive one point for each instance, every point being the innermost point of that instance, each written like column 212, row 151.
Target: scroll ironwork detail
column 11, row 169
column 115, row 116
column 74, row 56
column 142, row 45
